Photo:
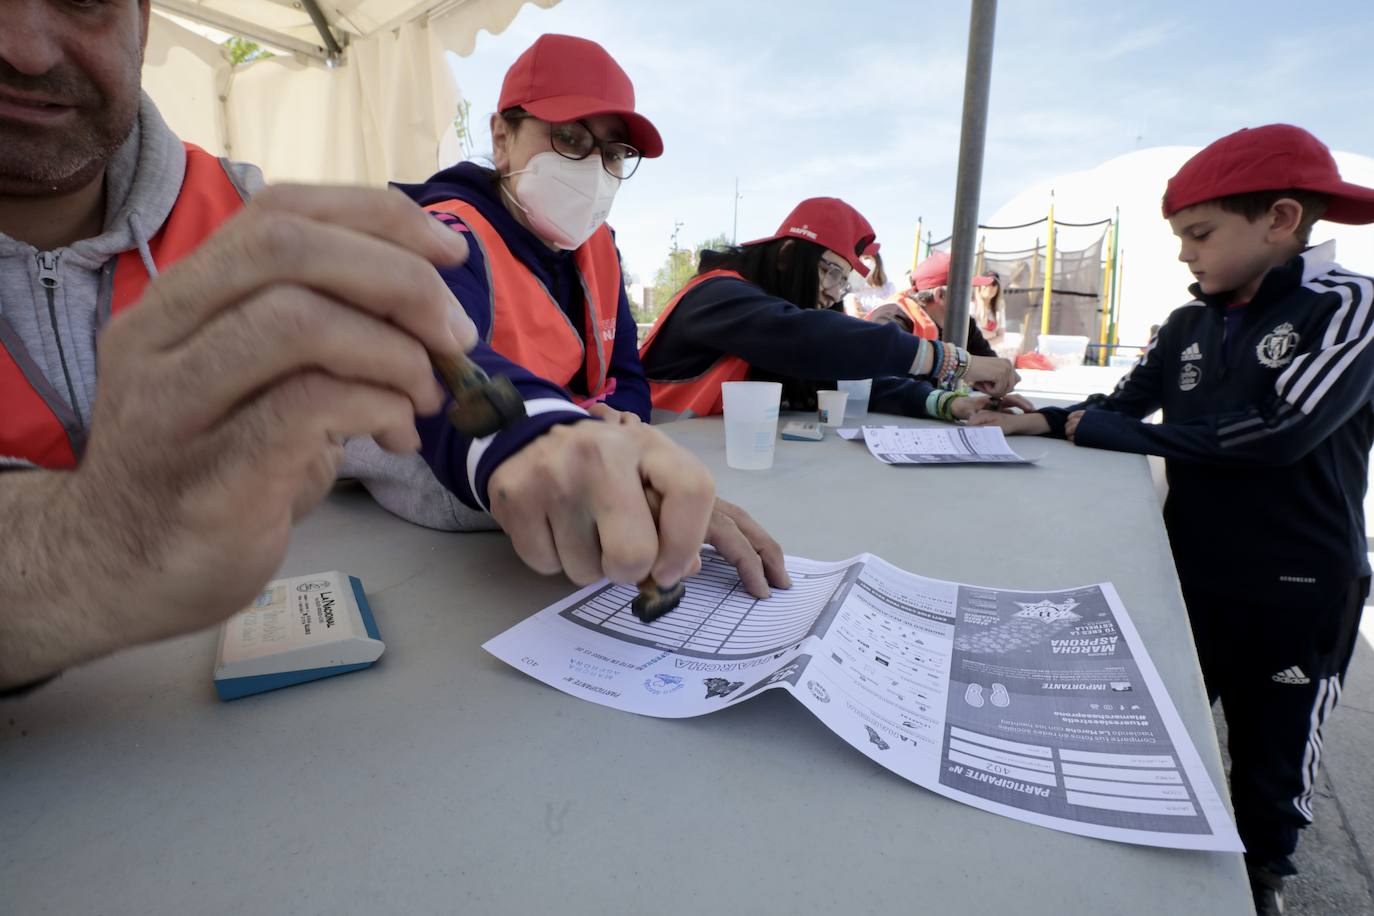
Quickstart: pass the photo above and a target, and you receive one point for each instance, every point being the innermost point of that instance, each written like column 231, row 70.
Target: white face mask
column 565, row 200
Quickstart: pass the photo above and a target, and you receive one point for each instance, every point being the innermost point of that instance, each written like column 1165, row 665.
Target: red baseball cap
column 934, row 272
column 1275, row 157
column 872, row 249
column 830, row 223
column 562, row 78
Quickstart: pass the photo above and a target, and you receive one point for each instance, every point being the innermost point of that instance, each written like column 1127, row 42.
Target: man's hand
column 225, row 395
column 574, row 500
column 991, row 375
column 1071, row 427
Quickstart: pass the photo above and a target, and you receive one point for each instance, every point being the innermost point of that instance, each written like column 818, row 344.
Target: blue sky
column 862, row 100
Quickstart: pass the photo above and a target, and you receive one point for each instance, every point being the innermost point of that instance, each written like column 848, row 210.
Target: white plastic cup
column 831, row 405
column 859, row 390
column 751, row 423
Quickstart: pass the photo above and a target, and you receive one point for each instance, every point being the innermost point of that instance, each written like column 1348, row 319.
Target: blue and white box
column 297, row 630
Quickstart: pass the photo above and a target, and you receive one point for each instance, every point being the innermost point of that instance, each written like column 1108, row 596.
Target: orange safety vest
column 700, row 395
column 922, row 325
column 37, row 424
column 529, row 327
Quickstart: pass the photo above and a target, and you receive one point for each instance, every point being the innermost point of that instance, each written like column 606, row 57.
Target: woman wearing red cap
column 542, row 283
column 769, row 309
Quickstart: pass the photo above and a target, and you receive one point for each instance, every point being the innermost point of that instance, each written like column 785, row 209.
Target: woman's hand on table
column 991, row 375
column 574, row 500
column 749, row 548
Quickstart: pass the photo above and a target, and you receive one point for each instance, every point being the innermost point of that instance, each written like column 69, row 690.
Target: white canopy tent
column 358, row 90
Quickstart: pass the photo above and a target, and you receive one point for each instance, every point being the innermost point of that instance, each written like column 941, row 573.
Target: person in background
column 989, row 311
column 867, row 293
column 770, row 309
column 925, row 306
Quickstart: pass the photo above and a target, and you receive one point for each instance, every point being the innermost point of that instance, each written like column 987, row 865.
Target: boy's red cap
column 872, row 249
column 934, row 272
column 562, row 78
column 830, row 223
column 1276, row 157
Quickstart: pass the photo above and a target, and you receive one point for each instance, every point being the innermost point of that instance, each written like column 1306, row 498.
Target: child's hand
column 1012, row 424
column 1071, row 427
column 966, row 406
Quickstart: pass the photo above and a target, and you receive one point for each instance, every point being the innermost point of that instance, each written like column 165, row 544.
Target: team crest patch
column 1189, row 377
column 1048, row 611
column 1278, row 346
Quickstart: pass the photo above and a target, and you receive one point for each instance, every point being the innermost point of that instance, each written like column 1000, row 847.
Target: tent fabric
column 377, row 116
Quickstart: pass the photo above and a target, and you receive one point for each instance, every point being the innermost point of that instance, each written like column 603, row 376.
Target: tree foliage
column 242, row 51
column 462, row 127
column 679, row 267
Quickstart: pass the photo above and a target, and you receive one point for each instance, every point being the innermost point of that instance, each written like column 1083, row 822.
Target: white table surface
column 442, row 781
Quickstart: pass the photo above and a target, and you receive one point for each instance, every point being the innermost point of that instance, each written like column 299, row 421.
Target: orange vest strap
column 700, row 395
column 922, row 325
column 36, row 424
column 207, row 199
column 528, row 326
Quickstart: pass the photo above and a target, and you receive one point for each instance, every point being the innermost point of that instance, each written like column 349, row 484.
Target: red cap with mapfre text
column 562, row 78
column 1275, row 157
column 830, row 223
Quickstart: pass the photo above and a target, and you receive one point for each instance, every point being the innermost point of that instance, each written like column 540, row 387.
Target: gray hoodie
column 53, row 304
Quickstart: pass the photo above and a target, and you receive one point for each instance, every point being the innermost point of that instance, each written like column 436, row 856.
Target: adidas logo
column 1292, row 675
column 1191, row 352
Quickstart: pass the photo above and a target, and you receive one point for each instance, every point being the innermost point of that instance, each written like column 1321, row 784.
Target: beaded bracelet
column 933, row 404
column 946, row 407
column 951, row 362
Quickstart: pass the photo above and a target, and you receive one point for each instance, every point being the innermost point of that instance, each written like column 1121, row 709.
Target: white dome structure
column 1153, row 282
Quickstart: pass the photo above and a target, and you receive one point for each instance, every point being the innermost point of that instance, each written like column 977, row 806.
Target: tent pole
column 968, row 184
column 322, row 26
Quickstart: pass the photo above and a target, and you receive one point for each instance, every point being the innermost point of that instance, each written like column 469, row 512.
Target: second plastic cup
column 751, row 423
column 831, row 405
column 859, row 389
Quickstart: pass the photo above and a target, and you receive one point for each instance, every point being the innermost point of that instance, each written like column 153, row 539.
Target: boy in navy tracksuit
column 1266, row 381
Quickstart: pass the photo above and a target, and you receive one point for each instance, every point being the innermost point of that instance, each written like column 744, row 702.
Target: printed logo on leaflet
column 818, row 691
column 664, row 683
column 1278, row 346
column 313, row 586
column 1048, row 611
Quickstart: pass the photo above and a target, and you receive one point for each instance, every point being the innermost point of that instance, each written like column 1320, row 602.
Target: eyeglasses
column 834, row 276
column 575, row 140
